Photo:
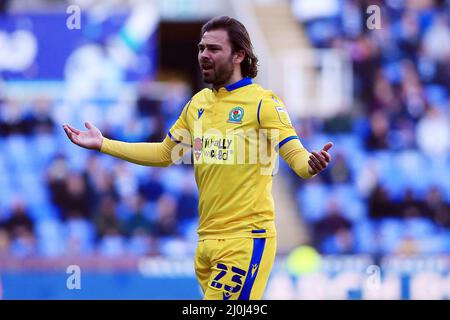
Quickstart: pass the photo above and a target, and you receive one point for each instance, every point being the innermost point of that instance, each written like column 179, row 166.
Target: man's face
column 215, row 57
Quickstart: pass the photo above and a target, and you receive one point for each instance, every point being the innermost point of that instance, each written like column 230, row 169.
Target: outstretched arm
column 148, row 154
column 304, row 163
column 274, row 117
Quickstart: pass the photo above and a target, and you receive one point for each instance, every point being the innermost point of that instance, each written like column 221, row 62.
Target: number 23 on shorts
column 236, row 279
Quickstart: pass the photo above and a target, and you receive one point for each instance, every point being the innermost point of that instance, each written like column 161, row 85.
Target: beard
column 219, row 74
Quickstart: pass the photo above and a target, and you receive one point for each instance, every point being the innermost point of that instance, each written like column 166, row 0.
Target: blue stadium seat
column 419, row 228
column 42, row 211
column 5, row 184
column 176, row 247
column 31, row 187
column 188, row 229
column 172, row 178
column 364, row 235
column 80, row 234
column 435, row 244
column 112, row 246
column 390, row 176
column 350, row 202
column 390, row 232
column 410, row 166
column 437, row 95
column 18, row 154
column 138, row 245
column 438, row 170
column 349, row 142
column 45, row 149
column 311, row 201
column 50, row 239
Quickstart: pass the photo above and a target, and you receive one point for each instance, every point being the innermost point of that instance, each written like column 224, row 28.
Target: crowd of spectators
column 387, row 190
column 58, row 199
column 391, row 163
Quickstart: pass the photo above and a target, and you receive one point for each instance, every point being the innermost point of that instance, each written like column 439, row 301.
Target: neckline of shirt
column 239, row 84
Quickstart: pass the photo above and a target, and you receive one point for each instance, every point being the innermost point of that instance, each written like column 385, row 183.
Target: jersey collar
column 241, row 83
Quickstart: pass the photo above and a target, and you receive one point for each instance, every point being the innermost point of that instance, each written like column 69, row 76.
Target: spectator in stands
column 99, row 183
column 125, row 181
column 412, row 92
column 334, row 227
column 408, row 37
column 146, row 105
column 410, row 206
column 408, row 246
column 12, row 120
column 40, row 119
column 75, row 198
column 436, row 40
column 379, row 129
column 138, row 223
column 158, row 130
column 380, row 204
column 4, row 241
column 187, row 204
column 57, row 174
column 338, row 172
column 20, row 228
column 19, row 222
column 437, row 208
column 105, row 219
column 384, row 94
column 401, row 83
column 433, row 133
column 151, row 187
column 166, row 224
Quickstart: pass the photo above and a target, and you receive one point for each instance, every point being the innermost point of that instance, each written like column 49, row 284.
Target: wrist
column 102, row 143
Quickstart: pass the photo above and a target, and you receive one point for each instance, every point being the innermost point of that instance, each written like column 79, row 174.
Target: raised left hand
column 318, row 161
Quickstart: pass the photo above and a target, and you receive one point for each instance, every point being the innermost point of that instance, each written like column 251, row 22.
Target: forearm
column 147, row 154
column 297, row 157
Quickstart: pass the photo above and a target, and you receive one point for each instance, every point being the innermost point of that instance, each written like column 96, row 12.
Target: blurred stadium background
column 375, row 225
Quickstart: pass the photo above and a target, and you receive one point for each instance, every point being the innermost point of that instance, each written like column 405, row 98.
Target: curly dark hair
column 239, row 39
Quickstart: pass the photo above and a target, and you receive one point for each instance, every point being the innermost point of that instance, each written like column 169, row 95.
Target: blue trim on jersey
column 177, row 141
column 259, row 109
column 241, row 83
column 259, row 231
column 189, row 103
column 258, row 249
column 173, row 139
column 286, row 140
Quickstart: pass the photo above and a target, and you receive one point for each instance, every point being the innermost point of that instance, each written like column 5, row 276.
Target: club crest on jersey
column 236, row 114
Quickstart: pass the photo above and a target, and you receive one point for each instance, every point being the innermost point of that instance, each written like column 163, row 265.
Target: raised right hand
column 90, row 139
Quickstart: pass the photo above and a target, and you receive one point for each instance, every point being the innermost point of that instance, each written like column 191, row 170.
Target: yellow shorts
column 234, row 269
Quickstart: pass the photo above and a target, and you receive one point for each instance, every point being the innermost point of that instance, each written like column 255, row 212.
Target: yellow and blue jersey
column 234, row 133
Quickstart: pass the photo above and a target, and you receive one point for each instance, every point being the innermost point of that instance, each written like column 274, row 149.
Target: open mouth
column 206, row 67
